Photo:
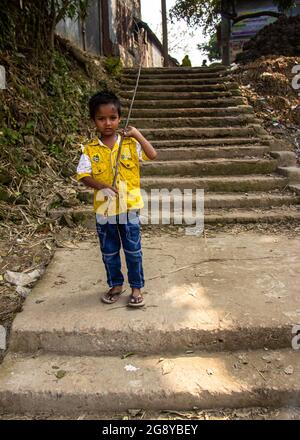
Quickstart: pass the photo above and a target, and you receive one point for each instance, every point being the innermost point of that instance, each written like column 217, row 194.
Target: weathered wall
column 88, row 35
column 108, row 31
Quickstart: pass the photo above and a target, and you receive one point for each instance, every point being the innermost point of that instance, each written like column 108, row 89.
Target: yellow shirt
column 99, row 161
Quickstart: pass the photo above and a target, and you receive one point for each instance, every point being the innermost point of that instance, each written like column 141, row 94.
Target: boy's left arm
column 148, row 149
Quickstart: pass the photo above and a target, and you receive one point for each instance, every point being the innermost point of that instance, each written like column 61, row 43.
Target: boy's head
column 105, row 111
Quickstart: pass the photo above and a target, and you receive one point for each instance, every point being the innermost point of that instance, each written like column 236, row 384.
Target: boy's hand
column 146, row 146
column 131, row 132
column 111, row 190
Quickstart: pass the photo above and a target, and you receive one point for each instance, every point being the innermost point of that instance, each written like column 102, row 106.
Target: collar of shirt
column 116, row 145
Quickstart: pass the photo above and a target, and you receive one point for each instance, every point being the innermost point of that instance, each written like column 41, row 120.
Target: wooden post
column 165, row 33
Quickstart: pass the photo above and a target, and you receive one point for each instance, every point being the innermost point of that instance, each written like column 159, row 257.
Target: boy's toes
column 136, row 301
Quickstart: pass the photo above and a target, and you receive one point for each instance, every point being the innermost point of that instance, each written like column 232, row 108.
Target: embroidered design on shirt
column 96, row 158
column 126, row 154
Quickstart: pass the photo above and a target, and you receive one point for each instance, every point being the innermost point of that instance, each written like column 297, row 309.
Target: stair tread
column 93, row 384
column 178, row 312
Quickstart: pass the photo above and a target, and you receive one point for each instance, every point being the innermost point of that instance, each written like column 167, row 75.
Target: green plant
column 56, row 151
column 113, row 66
column 26, row 170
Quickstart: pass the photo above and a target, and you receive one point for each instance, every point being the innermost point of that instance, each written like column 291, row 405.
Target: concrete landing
column 231, row 292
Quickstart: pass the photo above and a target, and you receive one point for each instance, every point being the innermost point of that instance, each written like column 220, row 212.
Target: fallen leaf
column 60, row 374
column 134, row 412
column 67, row 244
column 124, row 356
column 289, row 370
column 167, row 367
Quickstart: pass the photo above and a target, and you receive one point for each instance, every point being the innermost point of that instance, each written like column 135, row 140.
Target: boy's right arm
column 95, row 184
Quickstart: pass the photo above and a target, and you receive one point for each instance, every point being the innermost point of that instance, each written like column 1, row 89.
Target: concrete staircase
column 217, row 328
column 208, row 138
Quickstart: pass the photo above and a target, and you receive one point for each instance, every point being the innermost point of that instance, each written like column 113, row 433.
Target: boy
column 117, row 209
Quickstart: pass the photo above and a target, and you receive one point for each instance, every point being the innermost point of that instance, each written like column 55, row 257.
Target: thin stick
column 126, row 124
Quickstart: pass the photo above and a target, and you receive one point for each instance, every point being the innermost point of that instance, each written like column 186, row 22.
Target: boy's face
column 107, row 119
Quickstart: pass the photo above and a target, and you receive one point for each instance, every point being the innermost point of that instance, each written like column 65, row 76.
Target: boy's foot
column 113, row 295
column 136, row 299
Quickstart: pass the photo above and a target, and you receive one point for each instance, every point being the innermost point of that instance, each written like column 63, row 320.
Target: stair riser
column 180, row 95
column 208, row 169
column 189, row 112
column 110, row 343
column 74, row 404
column 182, row 88
column 157, row 104
column 179, row 71
column 236, row 186
column 212, row 143
column 202, row 133
column 87, row 220
column 210, row 153
column 221, row 202
column 126, row 81
column 229, row 121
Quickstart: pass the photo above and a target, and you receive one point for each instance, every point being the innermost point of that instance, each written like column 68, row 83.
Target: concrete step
column 291, row 172
column 216, row 101
column 252, row 130
column 91, row 385
column 219, row 76
column 213, row 142
column 240, row 184
column 180, row 71
column 194, row 295
column 262, row 214
column 211, row 121
column 209, row 167
column 295, row 188
column 214, row 200
column 196, row 80
column 190, row 112
column 226, row 86
column 235, row 151
column 179, row 96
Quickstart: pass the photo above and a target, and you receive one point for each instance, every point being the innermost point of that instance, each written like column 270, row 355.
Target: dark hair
column 103, row 98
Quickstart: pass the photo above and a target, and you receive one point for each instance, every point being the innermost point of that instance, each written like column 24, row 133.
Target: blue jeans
column 111, row 236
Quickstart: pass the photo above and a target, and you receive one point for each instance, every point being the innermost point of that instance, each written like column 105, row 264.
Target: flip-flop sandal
column 133, row 301
column 111, row 298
